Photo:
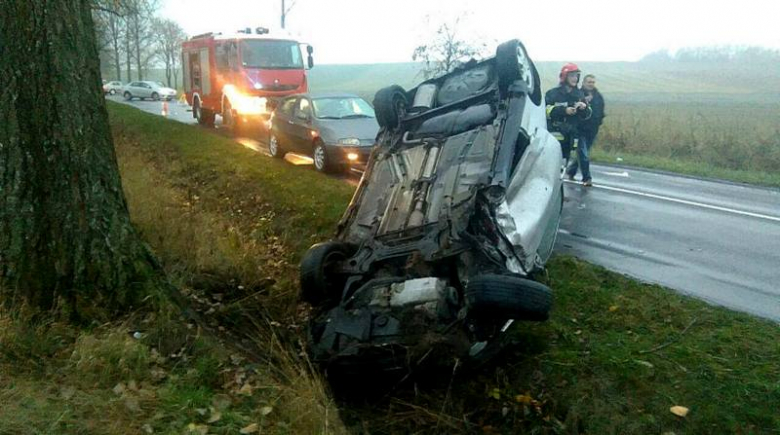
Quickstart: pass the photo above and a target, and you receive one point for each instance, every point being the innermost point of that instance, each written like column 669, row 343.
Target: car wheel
column 128, row 96
column 390, row 105
column 275, row 148
column 510, row 56
column 319, row 280
column 508, row 297
column 320, row 156
column 155, row 96
column 112, row 92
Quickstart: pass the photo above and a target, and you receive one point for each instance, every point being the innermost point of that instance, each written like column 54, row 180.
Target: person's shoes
column 570, row 177
column 587, row 183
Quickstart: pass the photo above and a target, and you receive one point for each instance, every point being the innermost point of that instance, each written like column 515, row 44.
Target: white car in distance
column 148, row 89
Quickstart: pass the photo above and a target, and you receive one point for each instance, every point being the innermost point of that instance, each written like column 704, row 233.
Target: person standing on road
column 589, row 128
column 566, row 110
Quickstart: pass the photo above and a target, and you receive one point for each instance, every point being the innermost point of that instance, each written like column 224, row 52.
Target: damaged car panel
column 458, row 207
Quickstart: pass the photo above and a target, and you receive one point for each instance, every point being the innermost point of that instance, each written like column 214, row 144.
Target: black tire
column 128, row 96
column 155, row 96
column 507, row 66
column 204, row 116
column 508, row 297
column 112, row 92
column 390, row 105
column 322, row 162
column 509, row 70
column 275, row 148
column 319, row 283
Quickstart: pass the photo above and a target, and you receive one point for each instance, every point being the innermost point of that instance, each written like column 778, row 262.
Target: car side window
column 288, row 106
column 303, row 111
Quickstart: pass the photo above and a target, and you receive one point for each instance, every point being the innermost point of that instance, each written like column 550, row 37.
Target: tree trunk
column 137, row 43
column 115, row 46
column 66, row 240
column 128, row 52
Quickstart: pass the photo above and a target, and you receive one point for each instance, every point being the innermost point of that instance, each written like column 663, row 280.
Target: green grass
column 614, row 358
column 229, row 226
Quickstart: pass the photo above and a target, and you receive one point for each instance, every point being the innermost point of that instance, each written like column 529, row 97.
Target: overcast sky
column 369, row 31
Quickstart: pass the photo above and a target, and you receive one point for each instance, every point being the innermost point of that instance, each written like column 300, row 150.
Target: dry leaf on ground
column 252, row 428
column 679, row 411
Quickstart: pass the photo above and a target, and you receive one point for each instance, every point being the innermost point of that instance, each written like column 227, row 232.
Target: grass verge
column 685, row 167
column 230, row 225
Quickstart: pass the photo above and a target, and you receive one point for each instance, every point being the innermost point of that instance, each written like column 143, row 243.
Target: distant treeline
column 720, row 54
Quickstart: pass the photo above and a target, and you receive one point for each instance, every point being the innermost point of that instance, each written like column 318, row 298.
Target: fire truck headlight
column 258, row 86
column 250, row 105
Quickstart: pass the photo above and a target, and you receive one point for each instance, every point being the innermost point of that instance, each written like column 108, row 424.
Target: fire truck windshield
column 271, row 54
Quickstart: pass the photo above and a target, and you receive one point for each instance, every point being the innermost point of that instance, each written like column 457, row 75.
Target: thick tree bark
column 66, row 240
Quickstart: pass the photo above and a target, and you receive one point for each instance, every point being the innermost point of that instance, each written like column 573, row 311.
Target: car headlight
column 349, row 141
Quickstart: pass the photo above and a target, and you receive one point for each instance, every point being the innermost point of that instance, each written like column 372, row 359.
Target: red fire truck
column 239, row 75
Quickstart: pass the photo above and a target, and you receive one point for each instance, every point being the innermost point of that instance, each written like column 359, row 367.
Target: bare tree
column 446, row 51
column 140, row 32
column 110, row 30
column 169, row 36
column 66, row 240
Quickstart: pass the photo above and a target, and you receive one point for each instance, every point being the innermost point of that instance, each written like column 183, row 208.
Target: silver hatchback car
column 148, row 89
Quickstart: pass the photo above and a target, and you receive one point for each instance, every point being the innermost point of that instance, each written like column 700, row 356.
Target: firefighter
column 566, row 110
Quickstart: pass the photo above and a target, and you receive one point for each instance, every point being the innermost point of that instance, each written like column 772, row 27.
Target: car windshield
column 271, row 54
column 342, row 108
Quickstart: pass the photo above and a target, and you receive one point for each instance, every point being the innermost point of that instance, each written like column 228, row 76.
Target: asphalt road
column 713, row 240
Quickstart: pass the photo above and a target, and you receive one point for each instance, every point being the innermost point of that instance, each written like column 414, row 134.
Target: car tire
column 390, row 105
column 112, row 92
column 508, row 297
column 275, row 148
column 319, row 283
column 321, row 161
column 508, row 69
column 128, row 96
column 155, row 96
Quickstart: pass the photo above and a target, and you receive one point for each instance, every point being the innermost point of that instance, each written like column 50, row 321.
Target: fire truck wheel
column 275, row 148
column 155, row 96
column 204, row 116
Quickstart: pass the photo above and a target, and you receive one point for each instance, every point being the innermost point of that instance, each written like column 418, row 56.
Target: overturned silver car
column 457, row 210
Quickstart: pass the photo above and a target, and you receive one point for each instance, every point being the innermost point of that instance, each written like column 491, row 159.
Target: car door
column 300, row 127
column 283, row 119
column 146, row 89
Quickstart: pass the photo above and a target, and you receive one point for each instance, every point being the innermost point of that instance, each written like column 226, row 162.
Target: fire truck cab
column 239, row 75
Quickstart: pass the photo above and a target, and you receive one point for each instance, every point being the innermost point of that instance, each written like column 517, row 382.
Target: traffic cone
column 165, row 108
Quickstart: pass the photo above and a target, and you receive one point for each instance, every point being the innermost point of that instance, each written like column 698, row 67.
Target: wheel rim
column 319, row 158
column 273, row 146
column 112, row 92
column 155, row 97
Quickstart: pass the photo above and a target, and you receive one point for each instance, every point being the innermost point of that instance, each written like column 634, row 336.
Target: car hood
column 364, row 129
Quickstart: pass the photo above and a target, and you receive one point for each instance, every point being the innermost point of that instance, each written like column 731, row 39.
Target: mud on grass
column 614, row 358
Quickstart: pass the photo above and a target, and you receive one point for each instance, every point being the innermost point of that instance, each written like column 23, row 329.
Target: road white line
column 686, row 202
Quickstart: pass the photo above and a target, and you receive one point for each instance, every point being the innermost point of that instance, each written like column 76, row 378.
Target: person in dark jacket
column 589, row 128
column 566, row 110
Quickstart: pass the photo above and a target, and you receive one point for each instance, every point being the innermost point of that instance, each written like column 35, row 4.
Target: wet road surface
column 713, row 240
column 716, row 241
